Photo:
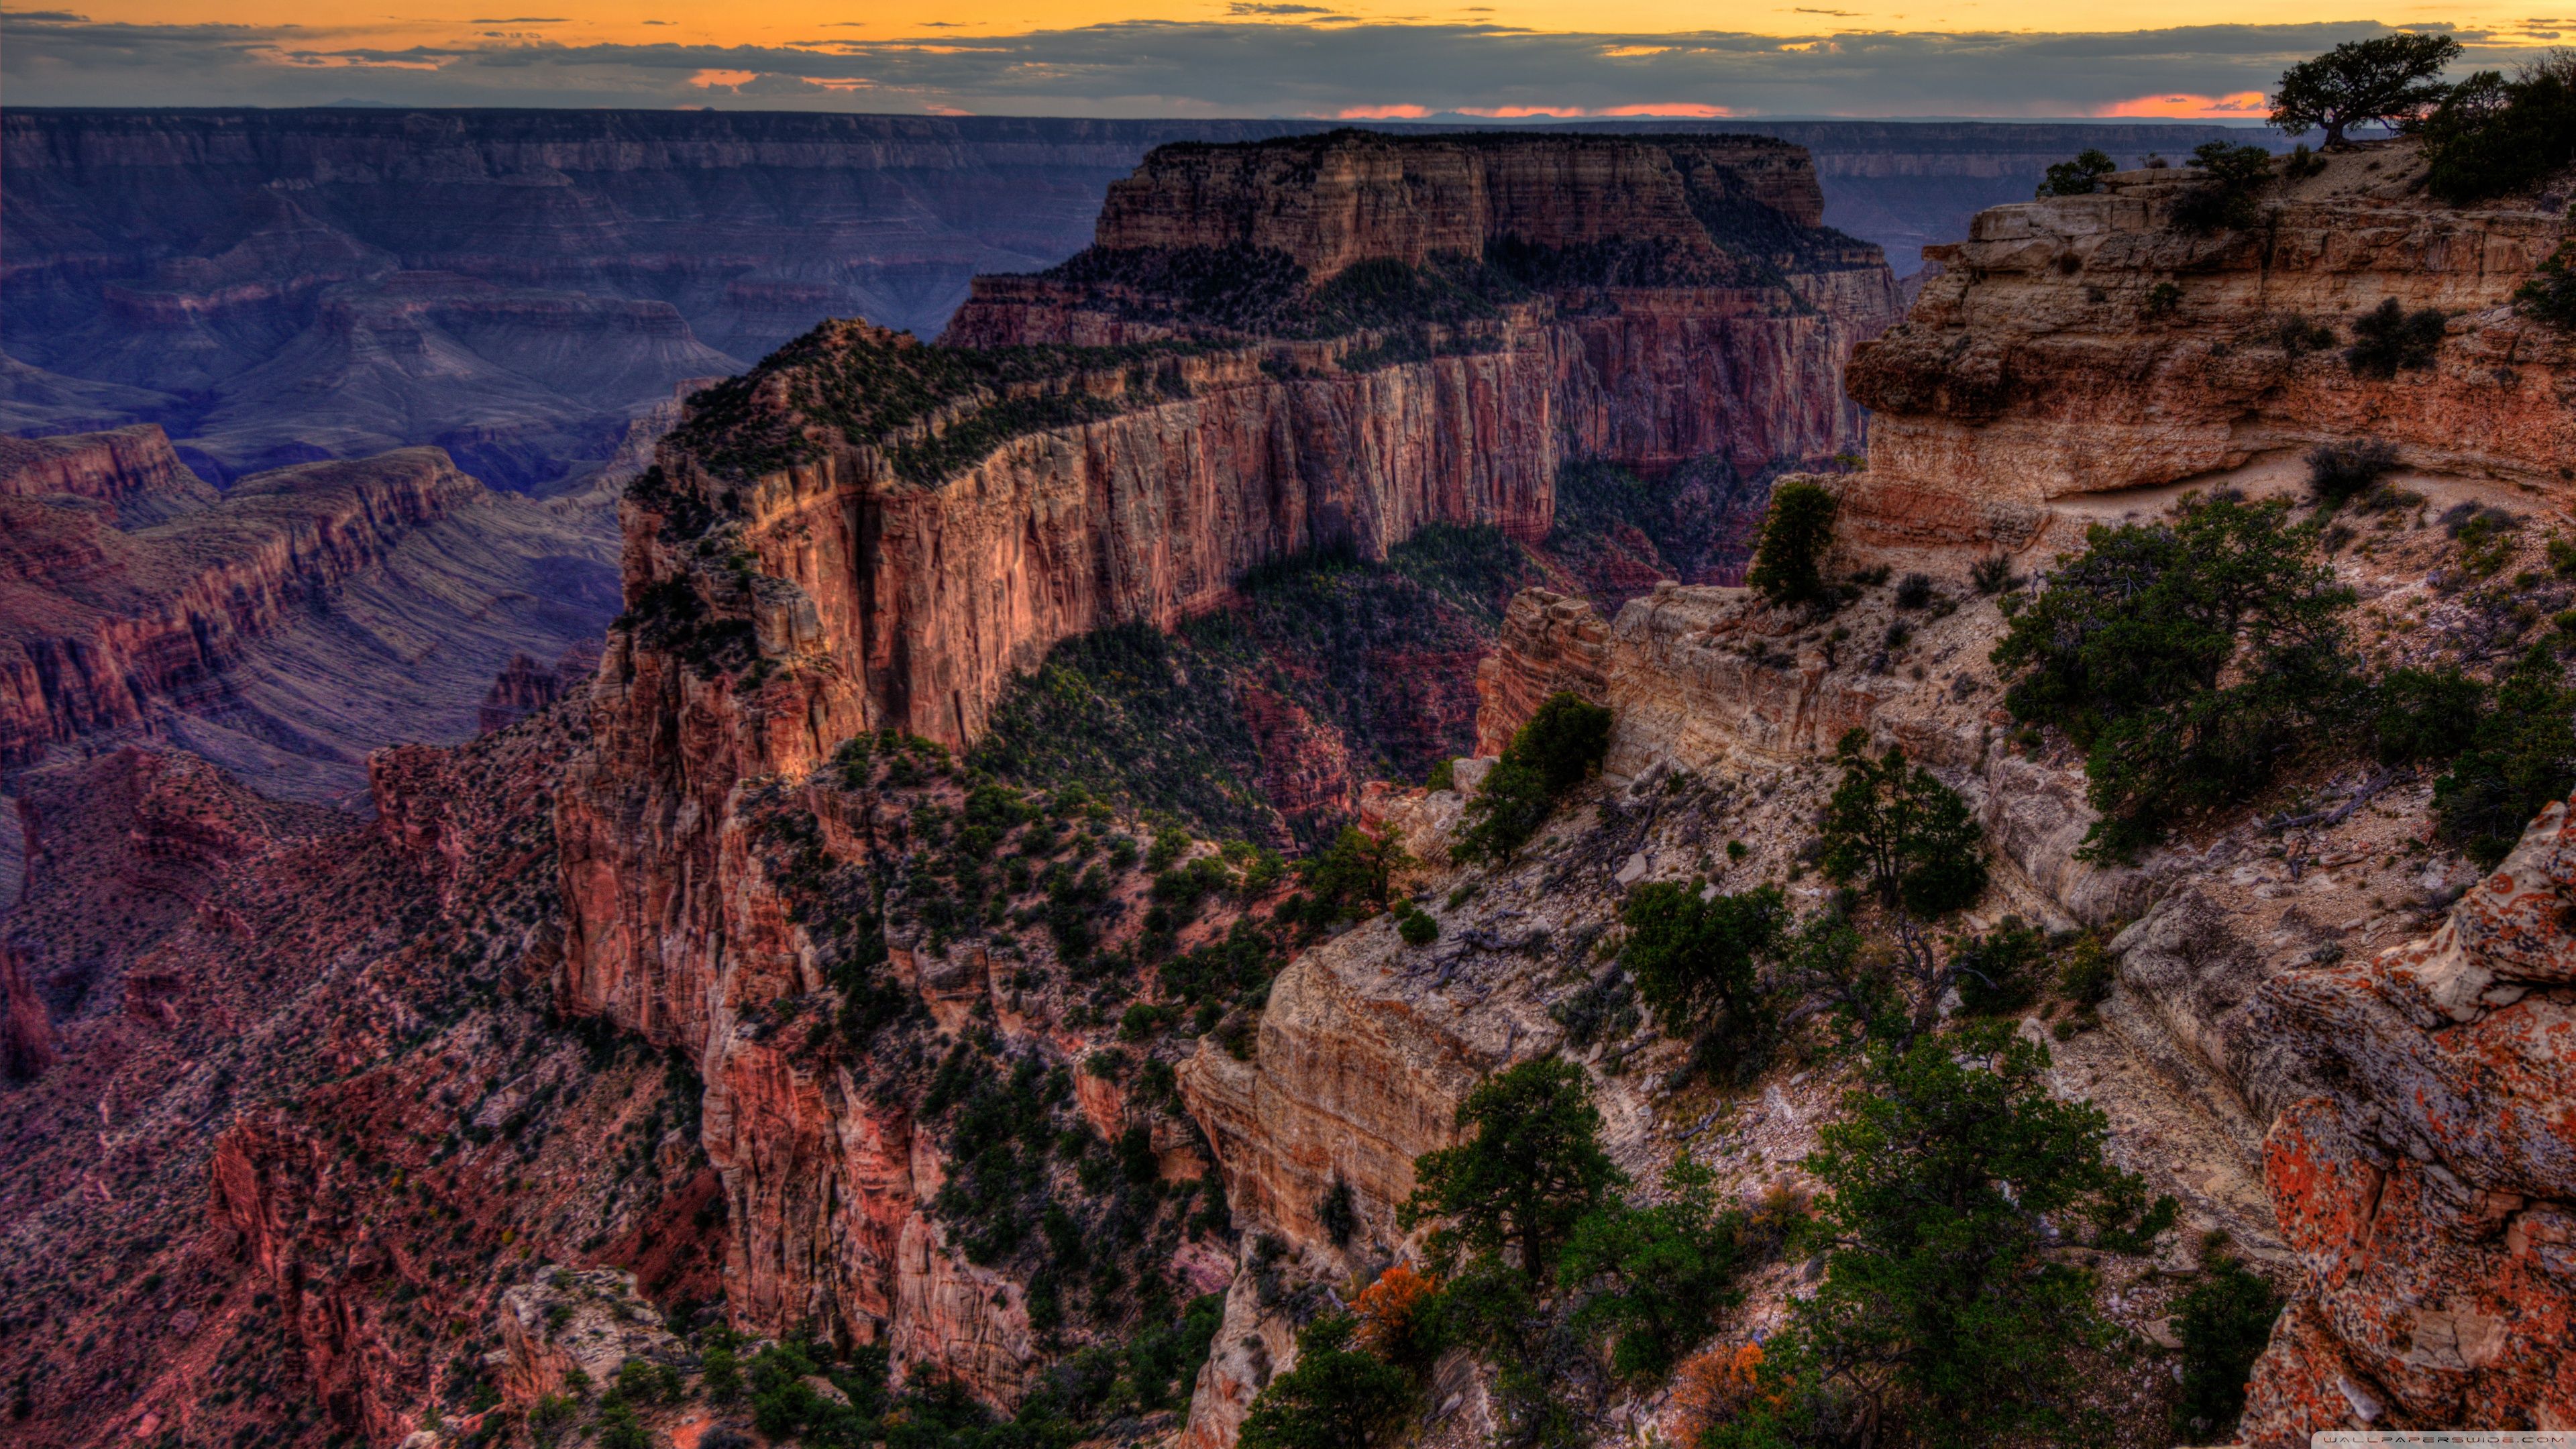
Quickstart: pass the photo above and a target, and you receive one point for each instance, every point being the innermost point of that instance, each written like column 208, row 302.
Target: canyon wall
column 827, row 587
column 2089, row 344
column 1327, row 202
column 280, row 286
column 283, row 627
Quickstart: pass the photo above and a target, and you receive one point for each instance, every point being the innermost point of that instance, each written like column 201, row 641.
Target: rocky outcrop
column 524, row 686
column 214, row 620
column 1549, row 643
column 1697, row 305
column 2427, row 1183
column 587, row 1321
column 2091, row 343
column 132, row 470
column 1348, row 196
column 797, row 576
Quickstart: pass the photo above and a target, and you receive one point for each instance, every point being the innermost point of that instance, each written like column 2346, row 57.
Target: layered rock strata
column 798, row 575
column 2087, row 344
column 283, row 627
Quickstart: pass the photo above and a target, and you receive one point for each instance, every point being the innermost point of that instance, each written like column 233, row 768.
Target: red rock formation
column 26, row 1029
column 1549, row 643
column 521, row 689
column 1306, row 766
column 132, row 470
column 784, row 605
column 99, row 622
column 2426, row 1185
column 400, row 579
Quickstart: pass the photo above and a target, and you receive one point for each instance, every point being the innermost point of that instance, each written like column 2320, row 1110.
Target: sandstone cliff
column 132, row 470
column 873, row 535
column 2088, row 344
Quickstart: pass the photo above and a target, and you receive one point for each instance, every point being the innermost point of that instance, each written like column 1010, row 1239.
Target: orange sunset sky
column 1353, row 58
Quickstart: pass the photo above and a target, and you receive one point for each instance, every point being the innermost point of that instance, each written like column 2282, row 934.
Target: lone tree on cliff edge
column 2386, row 79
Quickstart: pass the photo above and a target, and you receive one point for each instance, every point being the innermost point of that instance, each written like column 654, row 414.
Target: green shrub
column 1992, row 574
column 2549, row 297
column 1797, row 533
column 2389, row 338
column 2188, row 659
column 722, row 1376
column 550, row 1416
column 2226, row 200
column 2223, row 1322
column 1334, row 1397
column 2089, row 973
column 2491, row 136
column 1444, row 775
column 1950, row 1178
column 2521, row 757
column 1657, row 1276
column 620, row 1429
column 1533, row 1169
column 1904, row 834
column 2079, row 177
column 2002, row 970
column 2163, row 300
column 1697, row 965
column 1335, row 1213
column 2425, row 714
column 1562, row 746
column 1355, row 875
column 2340, row 472
column 1417, row 928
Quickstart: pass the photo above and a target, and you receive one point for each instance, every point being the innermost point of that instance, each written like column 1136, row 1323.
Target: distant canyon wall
column 277, row 287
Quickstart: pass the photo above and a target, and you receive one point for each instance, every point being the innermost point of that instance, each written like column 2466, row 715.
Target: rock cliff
column 2376, row 1114
column 283, row 627
column 2090, row 344
column 870, row 534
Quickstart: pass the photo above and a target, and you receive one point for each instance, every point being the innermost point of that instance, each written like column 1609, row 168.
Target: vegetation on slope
column 1381, row 652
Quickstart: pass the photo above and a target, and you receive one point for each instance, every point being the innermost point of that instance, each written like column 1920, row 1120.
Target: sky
column 1356, row 59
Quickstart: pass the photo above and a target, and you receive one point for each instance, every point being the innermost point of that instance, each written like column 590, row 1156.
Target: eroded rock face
column 1349, row 196
column 133, row 470
column 591, row 1320
column 2085, row 344
column 141, row 603
column 874, row 598
column 2425, row 1182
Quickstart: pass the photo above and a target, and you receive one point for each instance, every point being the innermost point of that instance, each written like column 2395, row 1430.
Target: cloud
column 1251, row 7
column 520, row 20
column 1357, row 69
column 2243, row 105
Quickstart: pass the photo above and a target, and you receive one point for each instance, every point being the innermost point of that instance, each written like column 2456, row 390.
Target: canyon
column 720, row 985
column 285, row 626
column 278, row 287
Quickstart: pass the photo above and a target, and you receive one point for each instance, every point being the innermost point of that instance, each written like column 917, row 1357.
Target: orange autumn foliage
column 1711, row 1387
column 1388, row 1308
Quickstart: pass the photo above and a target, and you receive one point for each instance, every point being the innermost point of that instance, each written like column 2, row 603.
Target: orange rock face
column 782, row 610
column 2425, row 1187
